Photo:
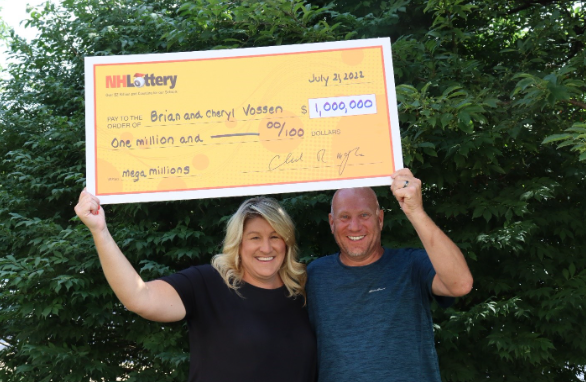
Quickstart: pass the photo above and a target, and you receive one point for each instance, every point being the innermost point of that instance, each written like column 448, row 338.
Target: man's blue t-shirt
column 373, row 323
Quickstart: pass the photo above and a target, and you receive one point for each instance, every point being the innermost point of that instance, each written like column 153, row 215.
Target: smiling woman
column 261, row 220
column 246, row 309
column 262, row 253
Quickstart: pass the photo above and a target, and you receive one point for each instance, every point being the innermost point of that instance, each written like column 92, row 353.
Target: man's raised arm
column 453, row 278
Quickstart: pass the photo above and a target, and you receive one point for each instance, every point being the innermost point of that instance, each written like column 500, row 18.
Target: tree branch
column 577, row 103
column 529, row 4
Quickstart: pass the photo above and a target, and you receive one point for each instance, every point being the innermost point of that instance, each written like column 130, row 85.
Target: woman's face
column 262, row 253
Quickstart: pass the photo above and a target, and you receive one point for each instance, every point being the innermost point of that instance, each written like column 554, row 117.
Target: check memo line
column 233, row 135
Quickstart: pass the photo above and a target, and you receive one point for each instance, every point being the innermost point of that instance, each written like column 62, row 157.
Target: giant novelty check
column 241, row 121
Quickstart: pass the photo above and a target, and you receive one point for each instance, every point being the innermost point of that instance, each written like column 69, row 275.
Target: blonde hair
column 228, row 262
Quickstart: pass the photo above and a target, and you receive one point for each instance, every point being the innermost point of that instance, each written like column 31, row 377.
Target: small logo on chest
column 376, row 290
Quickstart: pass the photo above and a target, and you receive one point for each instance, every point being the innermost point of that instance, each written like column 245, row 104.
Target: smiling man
column 369, row 305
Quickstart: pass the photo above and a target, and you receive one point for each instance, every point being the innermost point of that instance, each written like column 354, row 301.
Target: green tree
column 3, row 28
column 3, row 35
column 480, row 86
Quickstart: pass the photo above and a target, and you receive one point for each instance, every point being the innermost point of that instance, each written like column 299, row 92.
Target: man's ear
column 381, row 218
column 331, row 219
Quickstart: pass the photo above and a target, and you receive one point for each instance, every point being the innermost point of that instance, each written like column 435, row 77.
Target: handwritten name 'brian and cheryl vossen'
column 123, row 122
column 229, row 114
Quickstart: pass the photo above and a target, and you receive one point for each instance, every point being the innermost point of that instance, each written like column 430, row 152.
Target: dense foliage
column 3, row 36
column 492, row 105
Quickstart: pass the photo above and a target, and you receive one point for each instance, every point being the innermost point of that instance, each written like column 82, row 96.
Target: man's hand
column 407, row 190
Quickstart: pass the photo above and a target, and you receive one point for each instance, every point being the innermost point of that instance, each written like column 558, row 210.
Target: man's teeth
column 355, row 237
column 265, row 258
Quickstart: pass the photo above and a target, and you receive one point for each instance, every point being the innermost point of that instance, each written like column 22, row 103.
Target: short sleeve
column 186, row 282
column 424, row 270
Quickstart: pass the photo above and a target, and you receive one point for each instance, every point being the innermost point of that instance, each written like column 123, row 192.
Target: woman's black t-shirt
column 260, row 336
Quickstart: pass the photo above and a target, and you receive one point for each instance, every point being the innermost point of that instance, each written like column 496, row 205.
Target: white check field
column 344, row 106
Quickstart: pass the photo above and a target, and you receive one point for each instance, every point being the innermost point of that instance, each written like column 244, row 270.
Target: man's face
column 356, row 222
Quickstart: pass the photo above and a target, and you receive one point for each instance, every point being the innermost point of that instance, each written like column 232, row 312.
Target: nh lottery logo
column 140, row 80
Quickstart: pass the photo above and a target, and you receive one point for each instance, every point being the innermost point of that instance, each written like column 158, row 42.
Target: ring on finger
column 406, row 184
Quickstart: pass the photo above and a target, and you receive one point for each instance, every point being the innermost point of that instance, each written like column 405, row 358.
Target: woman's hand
column 90, row 213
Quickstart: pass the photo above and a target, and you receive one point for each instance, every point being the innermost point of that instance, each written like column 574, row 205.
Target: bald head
column 367, row 194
